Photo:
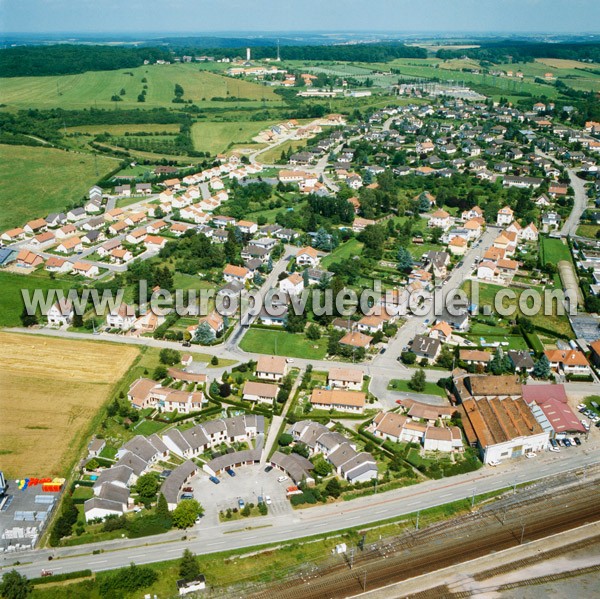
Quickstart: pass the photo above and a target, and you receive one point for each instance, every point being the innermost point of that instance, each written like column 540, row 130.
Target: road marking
column 102, row 561
column 172, row 550
column 446, row 494
column 141, row 555
column 218, row 543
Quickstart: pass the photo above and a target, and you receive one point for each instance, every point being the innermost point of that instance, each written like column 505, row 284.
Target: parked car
column 214, row 479
column 188, row 490
column 567, row 442
column 577, row 440
column 186, row 344
column 260, row 499
column 531, row 454
column 493, row 463
column 268, row 468
column 267, row 500
column 282, row 479
column 597, row 425
column 241, row 504
column 230, row 471
column 187, row 496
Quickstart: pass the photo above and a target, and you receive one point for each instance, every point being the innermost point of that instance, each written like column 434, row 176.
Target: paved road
column 579, row 206
column 580, row 200
column 206, row 538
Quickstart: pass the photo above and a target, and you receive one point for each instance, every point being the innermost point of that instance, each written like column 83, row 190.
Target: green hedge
column 59, row 577
column 534, row 342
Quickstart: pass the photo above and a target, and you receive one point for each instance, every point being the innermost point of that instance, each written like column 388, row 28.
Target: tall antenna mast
column 278, row 52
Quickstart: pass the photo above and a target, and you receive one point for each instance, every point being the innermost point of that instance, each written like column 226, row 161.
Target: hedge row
column 63, row 576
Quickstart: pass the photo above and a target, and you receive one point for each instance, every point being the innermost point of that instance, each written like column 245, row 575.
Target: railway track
column 443, row 546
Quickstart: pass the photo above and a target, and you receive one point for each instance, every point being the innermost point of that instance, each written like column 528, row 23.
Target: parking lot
column 248, row 484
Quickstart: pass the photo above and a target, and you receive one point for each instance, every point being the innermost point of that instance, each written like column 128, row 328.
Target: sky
column 209, row 16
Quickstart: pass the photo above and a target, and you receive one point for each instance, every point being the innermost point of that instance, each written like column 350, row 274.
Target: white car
column 555, row 449
column 282, row 479
column 530, row 454
column 267, row 500
column 581, row 406
column 289, row 360
column 493, row 463
column 586, row 425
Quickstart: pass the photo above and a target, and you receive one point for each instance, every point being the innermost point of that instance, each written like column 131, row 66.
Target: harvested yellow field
column 561, row 63
column 51, row 391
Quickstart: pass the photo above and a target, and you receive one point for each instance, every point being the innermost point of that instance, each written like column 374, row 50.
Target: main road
column 205, row 538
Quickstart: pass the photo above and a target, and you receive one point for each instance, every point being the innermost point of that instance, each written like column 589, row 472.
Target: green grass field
column 11, row 304
column 352, row 247
column 122, row 129
column 217, row 137
column 273, row 155
column 36, row 181
column 95, row 88
column 554, row 250
column 402, row 385
column 552, row 322
column 282, row 343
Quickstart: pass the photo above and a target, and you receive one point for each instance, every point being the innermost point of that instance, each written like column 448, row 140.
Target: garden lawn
column 349, row 248
column 282, row 343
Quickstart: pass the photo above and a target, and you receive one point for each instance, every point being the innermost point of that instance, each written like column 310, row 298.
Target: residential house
column 426, row 348
column 273, row 368
column 338, row 399
column 307, row 256
column 122, row 317
column 239, row 274
column 61, row 313
column 505, row 216
column 260, row 392
column 345, row 378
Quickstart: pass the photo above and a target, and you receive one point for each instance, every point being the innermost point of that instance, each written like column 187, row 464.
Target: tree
column 313, row 332
column 417, row 381
column 301, row 449
column 160, row 372
column 214, row 361
column 169, row 356
column 405, row 261
column 408, row 357
column 186, row 512
column 321, row 466
column 285, row 439
column 204, row 334
column 162, row 508
column 189, row 568
column 28, row 320
column 333, row 488
column 77, row 320
column 15, row 586
column 541, row 369
column 224, row 389
column 147, row 486
column 322, row 240
column 436, row 234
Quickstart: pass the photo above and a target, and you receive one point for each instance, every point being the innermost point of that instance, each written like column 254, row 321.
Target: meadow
column 95, row 88
column 216, row 137
column 38, row 180
column 11, row 302
column 52, row 391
